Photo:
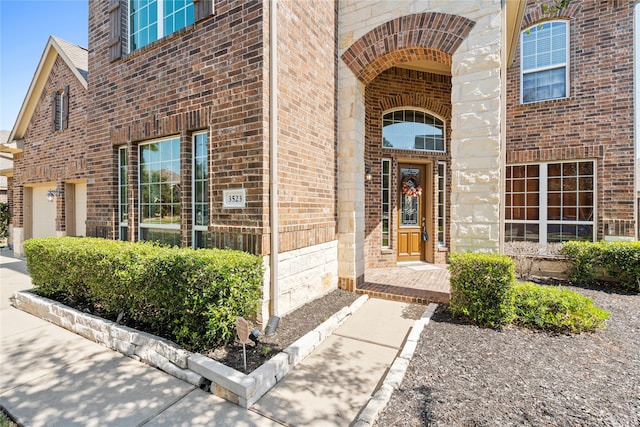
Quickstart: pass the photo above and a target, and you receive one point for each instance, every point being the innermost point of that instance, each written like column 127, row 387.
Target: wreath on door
column 410, row 186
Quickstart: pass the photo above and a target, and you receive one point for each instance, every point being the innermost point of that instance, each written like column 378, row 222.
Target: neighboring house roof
column 75, row 57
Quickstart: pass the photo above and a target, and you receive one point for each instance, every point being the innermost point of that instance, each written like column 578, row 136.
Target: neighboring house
column 6, row 169
column 332, row 137
column 48, row 146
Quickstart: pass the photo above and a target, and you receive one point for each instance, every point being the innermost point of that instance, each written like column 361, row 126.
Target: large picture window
column 544, row 62
column 150, row 20
column 412, row 130
column 160, row 191
column 550, row 202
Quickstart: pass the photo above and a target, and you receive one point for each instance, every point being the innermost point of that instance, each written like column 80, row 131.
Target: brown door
column 411, row 213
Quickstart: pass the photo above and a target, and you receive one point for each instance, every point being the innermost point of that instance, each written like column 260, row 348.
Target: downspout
column 273, row 167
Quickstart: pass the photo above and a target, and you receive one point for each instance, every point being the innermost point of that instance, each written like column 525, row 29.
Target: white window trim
column 160, row 23
column 567, row 67
column 542, row 220
column 388, row 212
column 140, row 224
column 193, row 187
column 422, row 110
column 444, row 205
column 120, row 150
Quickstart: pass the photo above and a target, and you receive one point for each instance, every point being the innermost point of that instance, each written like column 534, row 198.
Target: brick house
column 334, row 137
column 570, row 140
column 48, row 178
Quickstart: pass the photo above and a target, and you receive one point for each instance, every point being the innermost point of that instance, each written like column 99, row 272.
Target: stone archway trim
column 420, row 101
column 536, row 15
column 430, row 35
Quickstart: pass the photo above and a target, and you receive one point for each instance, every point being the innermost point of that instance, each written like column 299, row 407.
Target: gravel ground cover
column 464, row 375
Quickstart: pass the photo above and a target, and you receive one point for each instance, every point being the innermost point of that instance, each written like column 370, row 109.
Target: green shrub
column 619, row 260
column 5, row 217
column 481, row 287
column 556, row 309
column 484, row 289
column 193, row 296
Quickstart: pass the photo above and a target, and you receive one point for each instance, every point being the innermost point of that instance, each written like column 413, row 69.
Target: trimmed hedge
column 194, row 296
column 556, row 309
column 589, row 260
column 481, row 287
column 484, row 289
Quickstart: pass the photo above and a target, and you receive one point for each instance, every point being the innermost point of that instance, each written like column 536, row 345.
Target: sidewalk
column 50, row 376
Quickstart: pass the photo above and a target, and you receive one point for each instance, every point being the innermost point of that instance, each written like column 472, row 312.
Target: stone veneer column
column 351, row 115
column 476, row 136
column 476, row 161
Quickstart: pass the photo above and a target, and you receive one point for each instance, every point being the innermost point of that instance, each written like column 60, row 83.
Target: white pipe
column 273, row 154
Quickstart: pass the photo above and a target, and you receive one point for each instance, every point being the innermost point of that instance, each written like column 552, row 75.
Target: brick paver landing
column 416, row 282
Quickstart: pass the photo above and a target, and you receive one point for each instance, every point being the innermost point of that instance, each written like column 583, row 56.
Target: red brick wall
column 208, row 76
column 398, row 87
column 307, row 122
column 214, row 76
column 50, row 156
column 597, row 120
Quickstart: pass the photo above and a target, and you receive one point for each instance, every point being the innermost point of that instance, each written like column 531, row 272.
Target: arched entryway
column 405, row 71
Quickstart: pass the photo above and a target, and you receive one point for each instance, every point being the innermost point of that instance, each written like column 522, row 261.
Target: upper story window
column 61, row 109
column 134, row 24
column 412, row 130
column 545, row 62
column 150, row 20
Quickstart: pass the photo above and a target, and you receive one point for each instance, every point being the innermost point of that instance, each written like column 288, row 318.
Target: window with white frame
column 386, row 203
column 442, row 204
column 123, row 199
column 545, row 62
column 200, row 190
column 134, row 24
column 159, row 190
column 550, row 202
column 410, row 129
column 150, row 20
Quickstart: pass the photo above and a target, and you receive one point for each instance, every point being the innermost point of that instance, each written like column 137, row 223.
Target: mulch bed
column 290, row 327
column 463, row 375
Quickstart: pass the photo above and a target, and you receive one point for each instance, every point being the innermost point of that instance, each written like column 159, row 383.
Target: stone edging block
column 193, row 368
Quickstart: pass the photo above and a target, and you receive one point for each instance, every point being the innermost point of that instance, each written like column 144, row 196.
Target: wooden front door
column 411, row 212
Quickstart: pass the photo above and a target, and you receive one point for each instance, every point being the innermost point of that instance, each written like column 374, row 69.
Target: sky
column 25, row 27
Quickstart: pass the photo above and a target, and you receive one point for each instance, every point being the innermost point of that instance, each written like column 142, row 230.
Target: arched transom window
column 412, row 130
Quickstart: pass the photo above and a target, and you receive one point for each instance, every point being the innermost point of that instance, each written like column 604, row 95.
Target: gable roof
column 74, row 56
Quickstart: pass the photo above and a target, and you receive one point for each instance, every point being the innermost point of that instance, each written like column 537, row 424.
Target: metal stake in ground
column 242, row 328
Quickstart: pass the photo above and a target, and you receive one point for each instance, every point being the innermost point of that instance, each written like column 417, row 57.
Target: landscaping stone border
column 193, row 368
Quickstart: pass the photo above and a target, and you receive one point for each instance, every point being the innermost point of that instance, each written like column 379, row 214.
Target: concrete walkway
column 52, row 377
